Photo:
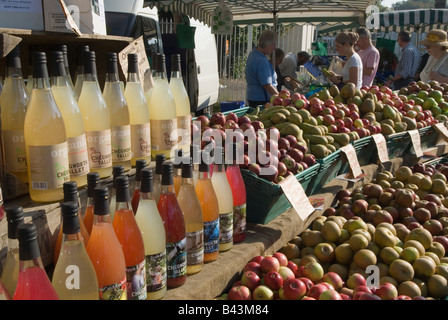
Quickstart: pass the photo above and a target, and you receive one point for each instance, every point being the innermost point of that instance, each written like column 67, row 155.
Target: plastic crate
column 231, row 105
column 398, row 144
column 266, row 200
column 329, row 169
column 428, row 137
column 239, row 112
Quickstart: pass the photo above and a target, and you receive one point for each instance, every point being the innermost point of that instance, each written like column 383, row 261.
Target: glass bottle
column 79, row 76
column 210, row 209
column 96, row 119
column 191, row 207
column 33, row 282
column 74, row 277
column 173, row 220
column 105, row 251
column 138, row 112
column 195, row 154
column 45, row 138
column 225, row 200
column 10, row 274
column 68, row 106
column 140, row 164
column 117, row 170
column 160, row 159
column 153, row 232
column 177, row 176
column 14, row 100
column 4, row 294
column 63, row 48
column 120, row 127
column 93, row 180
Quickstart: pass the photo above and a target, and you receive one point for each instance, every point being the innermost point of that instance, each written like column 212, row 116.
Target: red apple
column 387, row 291
column 218, row 118
column 316, row 290
column 330, row 294
column 334, row 279
column 252, row 266
column 291, row 265
column 293, row 289
column 273, row 280
column 232, row 116
column 257, row 259
column 281, row 257
column 286, row 273
column 269, row 263
column 329, row 120
column 250, row 279
column 239, row 293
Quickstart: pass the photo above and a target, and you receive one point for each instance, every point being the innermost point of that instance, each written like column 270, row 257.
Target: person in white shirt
column 352, row 71
column 291, row 64
column 436, row 68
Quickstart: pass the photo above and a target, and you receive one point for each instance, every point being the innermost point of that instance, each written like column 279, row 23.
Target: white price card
column 442, row 130
column 416, row 143
column 352, row 159
column 381, row 146
column 294, row 192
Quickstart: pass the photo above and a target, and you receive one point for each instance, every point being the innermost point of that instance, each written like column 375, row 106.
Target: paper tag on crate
column 294, row 192
column 352, row 159
column 442, row 130
column 381, row 146
column 416, row 143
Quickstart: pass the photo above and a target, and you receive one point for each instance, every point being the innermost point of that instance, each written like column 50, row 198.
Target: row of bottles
column 60, row 131
column 146, row 247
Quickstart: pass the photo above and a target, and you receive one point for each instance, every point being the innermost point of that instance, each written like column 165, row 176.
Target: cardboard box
column 21, row 14
column 88, row 15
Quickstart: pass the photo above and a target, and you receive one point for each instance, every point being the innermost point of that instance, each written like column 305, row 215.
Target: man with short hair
column 291, row 64
column 261, row 78
column 408, row 64
column 370, row 56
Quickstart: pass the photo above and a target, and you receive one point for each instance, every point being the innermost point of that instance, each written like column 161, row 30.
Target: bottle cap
column 139, row 165
column 111, row 62
column 117, row 170
column 101, row 201
column 178, row 158
column 160, row 158
column 28, row 245
column 147, row 176
column 167, row 173
column 160, row 67
column 13, row 58
column 122, row 185
column 70, row 217
column 187, row 169
column 14, row 216
column 64, row 49
column 57, row 64
column 39, row 65
column 204, row 166
column 80, row 56
column 93, row 179
column 89, row 62
column 175, row 62
column 70, row 190
column 132, row 63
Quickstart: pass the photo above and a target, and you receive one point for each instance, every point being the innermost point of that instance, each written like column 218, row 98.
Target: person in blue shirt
column 261, row 78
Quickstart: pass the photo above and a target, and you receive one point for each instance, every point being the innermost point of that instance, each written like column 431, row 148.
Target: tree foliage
column 417, row 4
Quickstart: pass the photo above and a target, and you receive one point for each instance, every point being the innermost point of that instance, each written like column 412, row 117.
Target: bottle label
column 239, row 219
column 163, row 134
column 195, row 247
column 15, row 154
column 211, row 236
column 136, row 281
column 78, row 156
column 99, row 148
column 176, row 260
column 226, row 228
column 141, row 140
column 121, row 143
column 156, row 272
column 116, row 291
column 48, row 166
column 184, row 127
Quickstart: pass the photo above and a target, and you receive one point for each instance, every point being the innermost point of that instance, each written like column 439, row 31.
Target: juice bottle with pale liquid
column 182, row 102
column 210, row 210
column 33, row 282
column 45, row 138
column 120, row 125
column 138, row 112
column 10, row 274
column 93, row 179
column 96, row 120
column 160, row 158
column 105, row 251
column 14, row 100
column 173, row 220
column 162, row 112
column 79, row 76
column 68, row 106
column 117, row 170
column 225, row 200
column 130, row 237
column 191, row 207
column 153, row 232
column 140, row 164
column 74, row 276
column 63, row 48
column 177, row 175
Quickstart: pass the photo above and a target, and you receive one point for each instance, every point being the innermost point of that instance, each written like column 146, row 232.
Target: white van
column 200, row 65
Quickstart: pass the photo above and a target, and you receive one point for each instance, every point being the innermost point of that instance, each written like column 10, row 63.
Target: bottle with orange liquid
column 210, row 209
column 105, row 251
column 70, row 189
column 173, row 220
column 117, row 170
column 177, row 176
column 140, row 164
column 33, row 282
column 93, row 180
column 131, row 240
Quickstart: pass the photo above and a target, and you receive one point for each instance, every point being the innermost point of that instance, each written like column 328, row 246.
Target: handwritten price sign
column 294, row 192
column 442, row 130
column 381, row 146
column 416, row 143
column 352, row 159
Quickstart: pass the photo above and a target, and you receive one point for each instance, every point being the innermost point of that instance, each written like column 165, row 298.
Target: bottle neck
column 32, row 263
column 219, row 168
column 204, row 175
column 112, row 77
column 104, row 218
column 167, row 189
column 71, row 237
column 59, row 81
column 176, row 75
column 41, row 83
column 90, row 202
column 187, row 181
column 13, row 72
column 133, row 77
column 147, row 196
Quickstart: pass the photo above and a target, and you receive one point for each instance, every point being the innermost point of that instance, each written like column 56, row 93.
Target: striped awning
column 255, row 12
column 413, row 20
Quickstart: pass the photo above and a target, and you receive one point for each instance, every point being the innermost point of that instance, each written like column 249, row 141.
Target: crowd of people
column 359, row 66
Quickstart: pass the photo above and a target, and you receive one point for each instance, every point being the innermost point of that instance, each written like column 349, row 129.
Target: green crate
column 398, row 144
column 428, row 137
column 328, row 170
column 266, row 200
column 239, row 112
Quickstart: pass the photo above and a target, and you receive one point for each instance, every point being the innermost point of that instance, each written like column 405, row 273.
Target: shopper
column 408, row 64
column 437, row 66
column 352, row 70
column 261, row 79
column 291, row 64
column 370, row 56
column 279, row 56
